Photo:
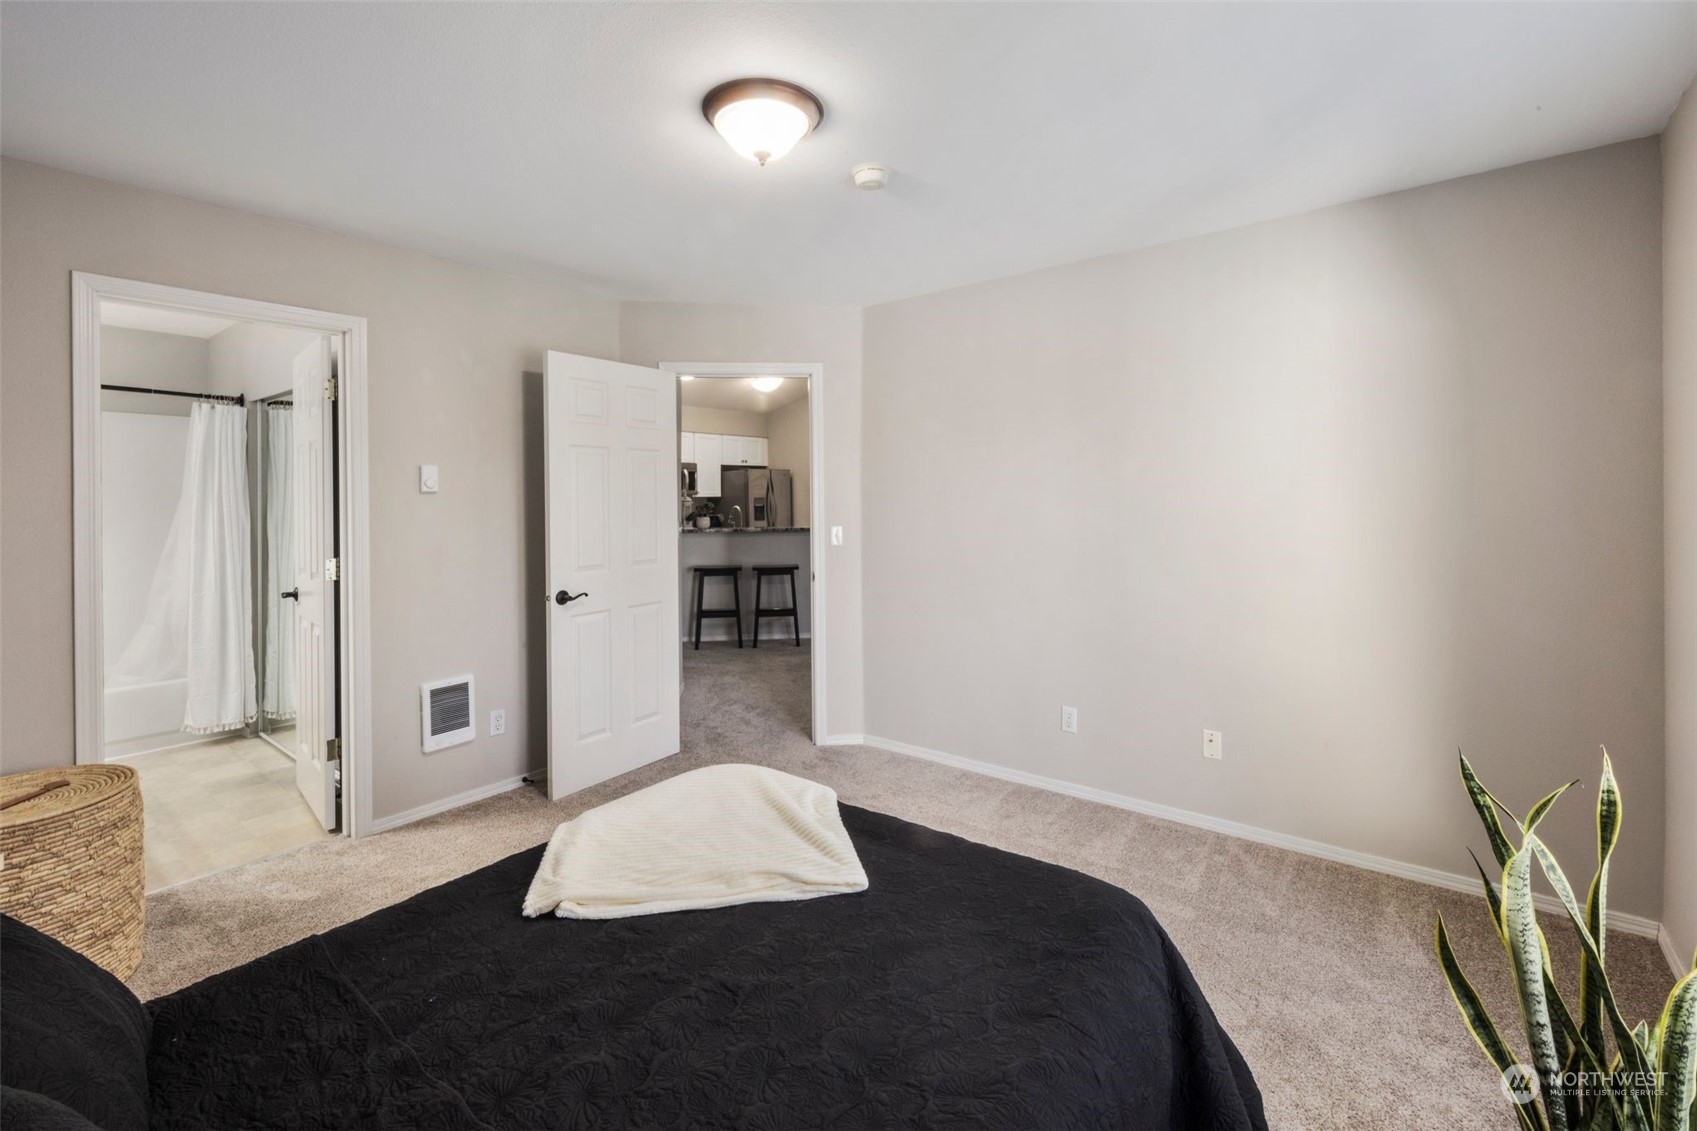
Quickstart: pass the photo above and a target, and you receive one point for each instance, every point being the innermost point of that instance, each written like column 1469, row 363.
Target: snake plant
column 1573, row 1083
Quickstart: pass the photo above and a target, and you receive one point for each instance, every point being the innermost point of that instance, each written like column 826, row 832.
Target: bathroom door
column 612, row 604
column 313, row 488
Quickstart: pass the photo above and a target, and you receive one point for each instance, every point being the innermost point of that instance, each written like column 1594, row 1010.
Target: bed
column 968, row 987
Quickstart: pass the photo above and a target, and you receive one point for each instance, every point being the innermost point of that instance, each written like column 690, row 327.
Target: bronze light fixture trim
column 762, row 118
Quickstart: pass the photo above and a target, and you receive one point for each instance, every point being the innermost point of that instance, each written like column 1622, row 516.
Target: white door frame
column 354, row 623
column 818, row 534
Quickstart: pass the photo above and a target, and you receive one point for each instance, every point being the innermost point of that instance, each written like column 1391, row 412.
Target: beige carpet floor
column 1323, row 974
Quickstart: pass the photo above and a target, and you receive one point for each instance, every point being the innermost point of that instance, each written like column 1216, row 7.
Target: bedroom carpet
column 1323, row 974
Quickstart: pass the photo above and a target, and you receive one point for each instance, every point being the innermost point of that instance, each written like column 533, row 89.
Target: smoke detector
column 871, row 177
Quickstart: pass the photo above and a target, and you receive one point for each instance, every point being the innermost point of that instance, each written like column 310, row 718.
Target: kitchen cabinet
column 709, row 455
column 745, row 451
column 710, row 451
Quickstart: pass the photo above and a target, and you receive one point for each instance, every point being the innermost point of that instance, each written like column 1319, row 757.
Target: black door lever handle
column 565, row 598
column 291, row 595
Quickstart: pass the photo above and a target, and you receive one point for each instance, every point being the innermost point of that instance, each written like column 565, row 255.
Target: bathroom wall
column 140, row 482
column 151, row 360
column 255, row 361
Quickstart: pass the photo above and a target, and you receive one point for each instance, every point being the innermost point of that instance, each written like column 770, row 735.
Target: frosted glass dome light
column 766, row 384
column 762, row 119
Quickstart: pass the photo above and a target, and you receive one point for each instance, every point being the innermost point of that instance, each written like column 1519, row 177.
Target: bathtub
column 147, row 716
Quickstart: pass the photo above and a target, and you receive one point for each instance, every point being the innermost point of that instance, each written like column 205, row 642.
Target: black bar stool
column 702, row 573
column 761, row 573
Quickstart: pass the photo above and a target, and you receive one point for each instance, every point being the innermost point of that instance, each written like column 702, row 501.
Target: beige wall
column 1355, row 488
column 723, row 421
column 448, row 349
column 655, row 332
column 787, row 445
column 1679, row 437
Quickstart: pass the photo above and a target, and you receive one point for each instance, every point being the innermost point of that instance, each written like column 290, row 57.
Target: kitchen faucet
column 736, row 515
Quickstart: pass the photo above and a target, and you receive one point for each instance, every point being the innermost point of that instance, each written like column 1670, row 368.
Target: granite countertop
column 747, row 530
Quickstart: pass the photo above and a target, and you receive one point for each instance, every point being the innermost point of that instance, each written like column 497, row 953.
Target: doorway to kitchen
column 751, row 575
column 220, row 567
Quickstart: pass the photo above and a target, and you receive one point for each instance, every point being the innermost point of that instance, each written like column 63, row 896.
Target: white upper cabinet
column 709, row 454
column 745, row 451
column 710, row 451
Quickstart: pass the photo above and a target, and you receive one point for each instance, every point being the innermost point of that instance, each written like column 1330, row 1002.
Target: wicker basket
column 71, row 860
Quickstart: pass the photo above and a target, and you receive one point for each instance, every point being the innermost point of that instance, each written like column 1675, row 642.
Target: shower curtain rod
column 226, row 398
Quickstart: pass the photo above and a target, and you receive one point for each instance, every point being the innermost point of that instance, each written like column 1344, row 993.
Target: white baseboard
column 1627, row 924
column 843, row 740
column 1676, row 960
column 395, row 821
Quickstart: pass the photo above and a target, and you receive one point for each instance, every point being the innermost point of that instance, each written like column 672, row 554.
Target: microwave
column 686, row 478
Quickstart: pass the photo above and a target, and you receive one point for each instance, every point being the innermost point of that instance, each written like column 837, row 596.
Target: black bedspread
column 967, row 988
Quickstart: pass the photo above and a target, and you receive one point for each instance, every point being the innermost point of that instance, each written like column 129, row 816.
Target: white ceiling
column 564, row 141
column 163, row 320
column 737, row 394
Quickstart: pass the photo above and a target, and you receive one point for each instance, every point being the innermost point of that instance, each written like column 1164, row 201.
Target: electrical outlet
column 1069, row 719
column 498, row 722
column 1213, row 746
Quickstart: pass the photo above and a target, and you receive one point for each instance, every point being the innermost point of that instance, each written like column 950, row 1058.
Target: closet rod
column 221, row 397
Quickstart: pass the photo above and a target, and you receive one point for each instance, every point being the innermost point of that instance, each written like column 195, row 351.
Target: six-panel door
column 612, row 605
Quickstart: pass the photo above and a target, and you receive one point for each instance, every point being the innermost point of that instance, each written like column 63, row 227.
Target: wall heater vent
column 449, row 707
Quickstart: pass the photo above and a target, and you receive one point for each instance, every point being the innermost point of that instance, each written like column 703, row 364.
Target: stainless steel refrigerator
column 765, row 495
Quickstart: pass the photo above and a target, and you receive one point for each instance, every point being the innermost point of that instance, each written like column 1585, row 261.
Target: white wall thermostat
column 428, row 480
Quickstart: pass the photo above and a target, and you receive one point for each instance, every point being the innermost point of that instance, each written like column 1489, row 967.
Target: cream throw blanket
column 709, row 838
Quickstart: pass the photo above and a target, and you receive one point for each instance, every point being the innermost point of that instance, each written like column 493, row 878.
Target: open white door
column 313, row 477
column 612, row 505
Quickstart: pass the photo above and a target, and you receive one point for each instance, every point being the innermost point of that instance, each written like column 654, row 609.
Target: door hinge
column 332, row 569
column 333, row 750
column 330, row 387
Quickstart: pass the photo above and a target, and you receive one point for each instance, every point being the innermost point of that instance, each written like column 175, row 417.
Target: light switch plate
column 428, row 479
column 1213, row 745
column 836, row 536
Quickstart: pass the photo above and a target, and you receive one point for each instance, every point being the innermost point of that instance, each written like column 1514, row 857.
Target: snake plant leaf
column 1526, row 956
column 1629, row 1048
column 1486, row 804
column 1492, row 897
column 1478, row 1021
column 1536, row 813
column 1649, row 1040
column 1678, row 1057
column 1596, row 906
column 1603, row 1117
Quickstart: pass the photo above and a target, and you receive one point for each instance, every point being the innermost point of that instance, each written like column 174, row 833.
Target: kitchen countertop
column 747, row 530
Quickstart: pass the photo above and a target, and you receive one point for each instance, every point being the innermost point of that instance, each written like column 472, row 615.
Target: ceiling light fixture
column 766, row 384
column 762, row 119
column 686, row 376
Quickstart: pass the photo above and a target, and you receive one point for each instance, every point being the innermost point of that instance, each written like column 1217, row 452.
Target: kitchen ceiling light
column 686, row 376
column 762, row 119
column 766, row 384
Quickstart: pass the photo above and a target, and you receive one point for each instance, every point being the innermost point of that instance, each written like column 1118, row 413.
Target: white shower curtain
column 214, row 517
column 277, row 699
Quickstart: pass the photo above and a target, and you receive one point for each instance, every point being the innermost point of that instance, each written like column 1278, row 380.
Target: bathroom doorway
column 212, row 614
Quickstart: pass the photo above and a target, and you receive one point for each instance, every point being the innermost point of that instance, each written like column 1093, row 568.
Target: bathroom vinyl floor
column 216, row 805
